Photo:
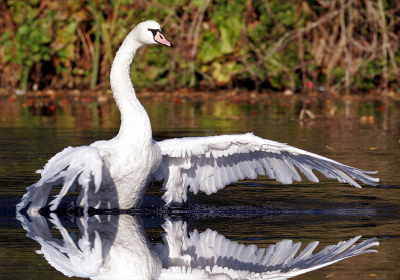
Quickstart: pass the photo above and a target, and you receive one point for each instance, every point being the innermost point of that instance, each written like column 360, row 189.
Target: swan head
column 149, row 32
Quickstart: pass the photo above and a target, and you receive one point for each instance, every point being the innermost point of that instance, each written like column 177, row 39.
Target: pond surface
column 361, row 132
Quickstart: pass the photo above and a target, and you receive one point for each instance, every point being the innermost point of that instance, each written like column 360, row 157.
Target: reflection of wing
column 71, row 257
column 111, row 247
column 210, row 163
column 210, row 254
column 82, row 165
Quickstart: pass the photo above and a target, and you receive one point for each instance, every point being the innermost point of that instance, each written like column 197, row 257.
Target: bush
column 351, row 45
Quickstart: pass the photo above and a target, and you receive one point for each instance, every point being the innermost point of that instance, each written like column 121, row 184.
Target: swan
column 115, row 173
column 116, row 247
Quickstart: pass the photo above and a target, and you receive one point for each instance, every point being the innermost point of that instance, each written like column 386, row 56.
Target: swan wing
column 70, row 256
column 209, row 255
column 82, row 165
column 209, row 163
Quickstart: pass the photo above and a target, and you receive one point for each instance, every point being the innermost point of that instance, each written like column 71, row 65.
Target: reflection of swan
column 116, row 247
column 210, row 253
column 115, row 173
column 111, row 247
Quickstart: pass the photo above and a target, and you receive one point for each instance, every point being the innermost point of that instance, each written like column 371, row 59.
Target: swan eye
column 159, row 38
column 154, row 31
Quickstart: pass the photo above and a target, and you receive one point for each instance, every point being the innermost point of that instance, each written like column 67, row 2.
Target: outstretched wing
column 68, row 255
column 82, row 165
column 210, row 163
column 207, row 254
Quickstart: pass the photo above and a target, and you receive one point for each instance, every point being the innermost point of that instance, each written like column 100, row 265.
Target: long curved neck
column 135, row 123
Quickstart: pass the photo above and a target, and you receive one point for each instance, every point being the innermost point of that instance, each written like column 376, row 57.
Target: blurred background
column 238, row 66
column 349, row 46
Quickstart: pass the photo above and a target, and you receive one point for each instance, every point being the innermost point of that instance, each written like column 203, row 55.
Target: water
column 362, row 132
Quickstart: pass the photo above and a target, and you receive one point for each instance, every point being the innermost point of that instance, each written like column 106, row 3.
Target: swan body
column 115, row 173
column 116, row 247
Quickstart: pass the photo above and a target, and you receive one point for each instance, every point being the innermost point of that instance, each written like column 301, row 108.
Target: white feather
column 208, row 254
column 120, row 249
column 81, row 164
column 115, row 173
column 216, row 161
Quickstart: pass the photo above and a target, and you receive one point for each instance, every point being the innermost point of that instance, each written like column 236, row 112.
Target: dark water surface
column 364, row 133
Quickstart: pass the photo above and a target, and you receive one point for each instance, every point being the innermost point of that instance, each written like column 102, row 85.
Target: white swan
column 115, row 173
column 116, row 247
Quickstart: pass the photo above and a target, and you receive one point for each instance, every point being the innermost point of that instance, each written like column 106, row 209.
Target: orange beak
column 159, row 38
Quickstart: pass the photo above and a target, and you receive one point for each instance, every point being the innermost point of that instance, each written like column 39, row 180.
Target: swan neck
column 135, row 122
column 120, row 71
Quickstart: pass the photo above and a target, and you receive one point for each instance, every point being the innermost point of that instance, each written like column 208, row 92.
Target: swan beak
column 159, row 38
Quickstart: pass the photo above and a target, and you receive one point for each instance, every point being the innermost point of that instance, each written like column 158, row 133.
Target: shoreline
column 191, row 94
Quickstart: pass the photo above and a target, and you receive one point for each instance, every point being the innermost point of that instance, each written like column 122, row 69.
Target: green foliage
column 220, row 43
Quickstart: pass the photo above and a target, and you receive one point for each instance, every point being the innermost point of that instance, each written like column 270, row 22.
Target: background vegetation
column 350, row 45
